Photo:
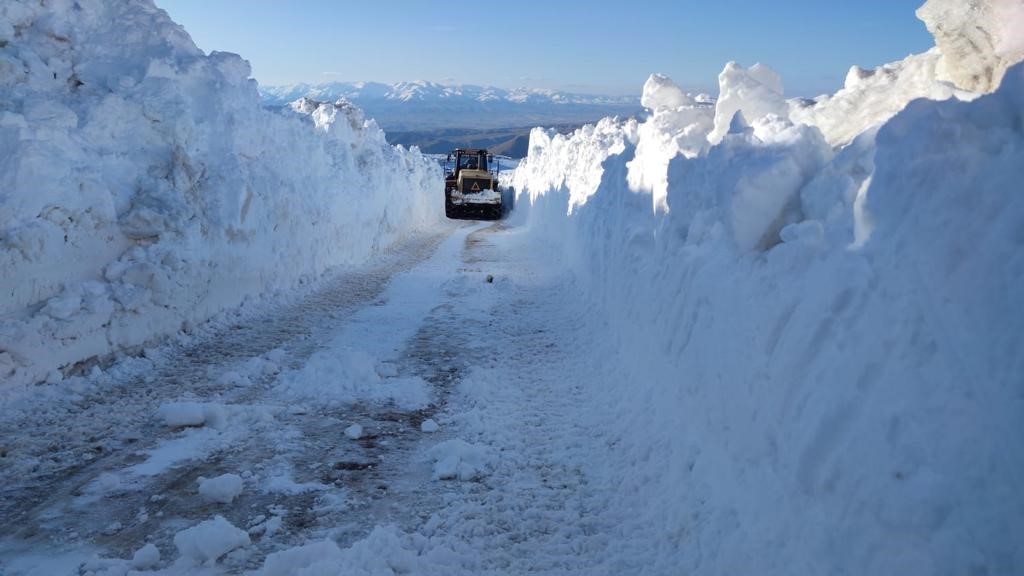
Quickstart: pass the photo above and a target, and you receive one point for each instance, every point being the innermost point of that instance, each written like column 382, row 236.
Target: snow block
column 182, row 414
column 459, row 460
column 209, row 540
column 224, row 488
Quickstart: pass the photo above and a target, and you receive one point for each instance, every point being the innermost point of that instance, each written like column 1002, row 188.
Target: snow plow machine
column 471, row 189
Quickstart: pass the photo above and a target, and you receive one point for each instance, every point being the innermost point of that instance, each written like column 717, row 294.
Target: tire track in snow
column 535, row 510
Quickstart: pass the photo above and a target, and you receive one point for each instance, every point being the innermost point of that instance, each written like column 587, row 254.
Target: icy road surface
column 425, row 415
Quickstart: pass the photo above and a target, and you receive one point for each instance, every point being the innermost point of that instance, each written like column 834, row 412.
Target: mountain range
column 423, row 105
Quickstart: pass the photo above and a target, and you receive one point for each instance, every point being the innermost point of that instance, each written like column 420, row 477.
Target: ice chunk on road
column 223, row 488
column 210, row 540
column 459, row 460
column 429, row 425
column 343, row 375
column 107, row 483
column 354, row 431
column 181, row 414
column 387, row 370
column 281, row 482
column 146, row 557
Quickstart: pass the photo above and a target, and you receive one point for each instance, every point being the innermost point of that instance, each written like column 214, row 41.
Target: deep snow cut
column 143, row 188
column 802, row 326
column 819, row 307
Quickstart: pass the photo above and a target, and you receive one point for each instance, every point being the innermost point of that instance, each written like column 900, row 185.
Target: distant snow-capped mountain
column 425, row 91
column 422, row 105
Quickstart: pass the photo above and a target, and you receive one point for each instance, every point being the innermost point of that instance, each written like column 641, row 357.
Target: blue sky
column 605, row 47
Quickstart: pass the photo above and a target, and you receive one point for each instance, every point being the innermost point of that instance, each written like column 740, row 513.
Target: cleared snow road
column 317, row 421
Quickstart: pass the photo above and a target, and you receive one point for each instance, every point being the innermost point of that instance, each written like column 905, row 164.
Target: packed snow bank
column 143, row 188
column 976, row 41
column 869, row 97
column 825, row 344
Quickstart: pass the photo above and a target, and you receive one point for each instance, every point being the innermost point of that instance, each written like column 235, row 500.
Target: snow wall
column 143, row 188
column 821, row 308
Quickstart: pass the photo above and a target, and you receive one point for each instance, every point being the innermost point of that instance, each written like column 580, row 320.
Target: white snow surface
column 823, row 344
column 143, row 188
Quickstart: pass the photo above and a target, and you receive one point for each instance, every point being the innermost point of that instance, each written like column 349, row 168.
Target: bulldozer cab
column 470, row 160
column 473, row 162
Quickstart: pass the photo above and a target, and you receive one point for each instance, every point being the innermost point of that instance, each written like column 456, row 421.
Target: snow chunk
column 63, row 307
column 748, row 185
column 661, row 93
column 387, row 370
column 679, row 124
column 459, row 460
column 348, row 375
column 210, row 540
column 108, row 483
column 223, row 488
column 386, row 550
column 354, row 432
column 182, row 414
column 146, row 558
column 281, row 482
column 429, row 425
column 979, row 39
column 295, row 560
column 756, row 91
